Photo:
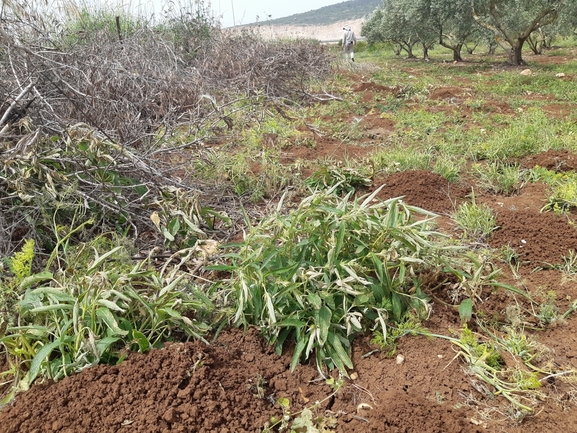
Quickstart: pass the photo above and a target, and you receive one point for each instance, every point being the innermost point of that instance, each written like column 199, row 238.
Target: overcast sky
column 230, row 12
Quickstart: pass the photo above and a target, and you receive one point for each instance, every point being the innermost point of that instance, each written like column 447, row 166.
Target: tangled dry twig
column 87, row 114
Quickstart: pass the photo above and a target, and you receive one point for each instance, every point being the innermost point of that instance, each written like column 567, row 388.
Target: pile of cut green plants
column 336, row 267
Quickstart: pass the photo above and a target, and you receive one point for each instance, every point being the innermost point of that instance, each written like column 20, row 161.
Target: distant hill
column 347, row 10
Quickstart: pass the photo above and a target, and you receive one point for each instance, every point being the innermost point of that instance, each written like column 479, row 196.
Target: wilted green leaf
column 324, row 322
column 41, row 355
column 466, row 310
column 108, row 318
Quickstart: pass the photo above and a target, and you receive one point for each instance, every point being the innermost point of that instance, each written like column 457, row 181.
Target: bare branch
column 15, row 102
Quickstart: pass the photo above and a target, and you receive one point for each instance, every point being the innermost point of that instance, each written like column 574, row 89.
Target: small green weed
column 20, row 264
column 475, row 274
column 476, row 221
column 12, row 286
column 410, row 325
column 511, row 257
column 307, row 420
column 548, row 311
column 563, row 195
column 518, row 383
column 498, row 177
column 569, row 265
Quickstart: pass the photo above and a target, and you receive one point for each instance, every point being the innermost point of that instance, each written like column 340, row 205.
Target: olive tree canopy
column 400, row 22
column 513, row 21
column 454, row 23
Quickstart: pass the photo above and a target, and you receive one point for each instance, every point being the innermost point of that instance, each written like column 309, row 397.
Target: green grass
column 498, row 177
column 398, row 158
column 477, row 221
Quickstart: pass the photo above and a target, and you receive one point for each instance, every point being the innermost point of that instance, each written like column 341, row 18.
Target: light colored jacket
column 349, row 37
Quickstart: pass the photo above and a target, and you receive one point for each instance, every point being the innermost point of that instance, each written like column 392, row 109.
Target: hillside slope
column 329, row 33
column 347, row 10
column 325, row 24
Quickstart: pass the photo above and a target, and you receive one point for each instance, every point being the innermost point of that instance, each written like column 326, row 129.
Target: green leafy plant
column 331, row 269
column 255, row 173
column 562, row 196
column 92, row 311
column 349, row 179
column 182, row 219
column 470, row 274
column 190, row 27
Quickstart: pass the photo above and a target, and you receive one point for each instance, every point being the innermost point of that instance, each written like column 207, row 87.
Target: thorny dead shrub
column 247, row 63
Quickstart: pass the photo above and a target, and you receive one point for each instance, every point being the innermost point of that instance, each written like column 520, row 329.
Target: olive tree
column 418, row 13
column 454, row 24
column 403, row 22
column 513, row 21
column 565, row 25
column 372, row 29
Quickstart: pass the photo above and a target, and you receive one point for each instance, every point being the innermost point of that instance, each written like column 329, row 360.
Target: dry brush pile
column 90, row 107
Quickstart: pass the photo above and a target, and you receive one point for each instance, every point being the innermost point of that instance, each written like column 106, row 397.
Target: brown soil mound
column 538, row 238
column 556, row 160
column 232, row 385
column 181, row 388
column 421, row 188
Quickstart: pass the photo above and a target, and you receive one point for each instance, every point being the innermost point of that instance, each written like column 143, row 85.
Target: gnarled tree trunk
column 515, row 53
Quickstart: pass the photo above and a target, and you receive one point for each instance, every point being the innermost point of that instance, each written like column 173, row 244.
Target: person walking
column 349, row 41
